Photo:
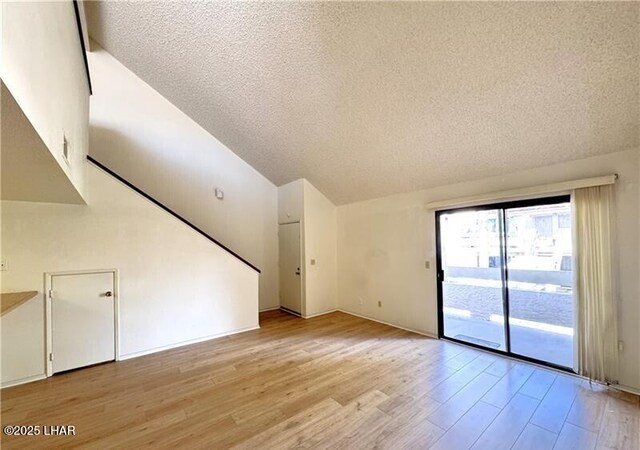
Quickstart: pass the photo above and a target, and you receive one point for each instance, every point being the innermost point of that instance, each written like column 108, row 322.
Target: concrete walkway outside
column 475, row 306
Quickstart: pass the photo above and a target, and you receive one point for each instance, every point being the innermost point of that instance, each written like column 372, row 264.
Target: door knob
column 297, row 270
column 108, row 294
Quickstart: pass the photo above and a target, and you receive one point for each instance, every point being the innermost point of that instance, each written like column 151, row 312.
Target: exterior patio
column 541, row 322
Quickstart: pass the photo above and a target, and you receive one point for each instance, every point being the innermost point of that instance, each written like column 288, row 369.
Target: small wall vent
column 65, row 148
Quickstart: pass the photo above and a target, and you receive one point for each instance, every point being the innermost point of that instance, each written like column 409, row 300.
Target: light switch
column 312, row 262
column 427, row 264
column 4, row 265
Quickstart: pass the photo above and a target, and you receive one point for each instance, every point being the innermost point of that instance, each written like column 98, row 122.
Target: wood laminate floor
column 335, row 381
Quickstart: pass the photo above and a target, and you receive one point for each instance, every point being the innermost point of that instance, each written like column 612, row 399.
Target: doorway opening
column 505, row 280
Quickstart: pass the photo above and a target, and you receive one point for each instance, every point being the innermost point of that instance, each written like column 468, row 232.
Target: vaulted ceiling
column 370, row 99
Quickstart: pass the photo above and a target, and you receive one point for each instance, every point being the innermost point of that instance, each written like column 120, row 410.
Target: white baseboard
column 320, row 314
column 617, row 387
column 19, row 381
column 183, row 343
column 138, row 354
column 423, row 333
column 271, row 308
column 629, row 389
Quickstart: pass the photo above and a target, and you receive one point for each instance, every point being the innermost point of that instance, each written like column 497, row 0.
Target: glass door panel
column 471, row 277
column 540, row 280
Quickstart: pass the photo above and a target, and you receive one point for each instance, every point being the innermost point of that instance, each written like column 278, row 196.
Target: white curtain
column 596, row 300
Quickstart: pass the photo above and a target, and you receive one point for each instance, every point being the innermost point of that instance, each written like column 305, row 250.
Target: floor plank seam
column 339, row 382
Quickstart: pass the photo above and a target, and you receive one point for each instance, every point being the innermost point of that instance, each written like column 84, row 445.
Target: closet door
column 290, row 264
column 82, row 320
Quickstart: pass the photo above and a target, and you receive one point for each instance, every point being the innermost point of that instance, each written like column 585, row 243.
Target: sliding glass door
column 472, row 283
column 505, row 280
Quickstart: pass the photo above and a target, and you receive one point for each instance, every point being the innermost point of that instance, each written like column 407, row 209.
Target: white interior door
column 82, row 320
column 290, row 281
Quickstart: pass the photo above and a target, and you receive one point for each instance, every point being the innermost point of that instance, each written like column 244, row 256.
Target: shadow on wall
column 131, row 159
column 29, row 170
column 114, row 145
column 161, row 173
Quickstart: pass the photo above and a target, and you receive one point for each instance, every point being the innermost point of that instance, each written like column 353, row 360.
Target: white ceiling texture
column 370, row 99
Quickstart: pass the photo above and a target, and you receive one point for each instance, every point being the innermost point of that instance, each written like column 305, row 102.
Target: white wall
column 29, row 172
column 42, row 65
column 300, row 201
column 320, row 244
column 383, row 245
column 291, row 202
column 144, row 138
column 175, row 285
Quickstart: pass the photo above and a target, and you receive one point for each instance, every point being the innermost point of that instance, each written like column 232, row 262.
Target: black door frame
column 504, row 269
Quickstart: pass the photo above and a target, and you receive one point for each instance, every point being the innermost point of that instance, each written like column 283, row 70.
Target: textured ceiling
column 369, row 99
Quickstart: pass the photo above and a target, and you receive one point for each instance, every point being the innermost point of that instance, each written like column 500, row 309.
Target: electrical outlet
column 379, row 304
column 4, row 265
column 620, row 346
column 360, row 301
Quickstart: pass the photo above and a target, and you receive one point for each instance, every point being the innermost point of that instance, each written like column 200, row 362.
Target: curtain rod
column 520, row 193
